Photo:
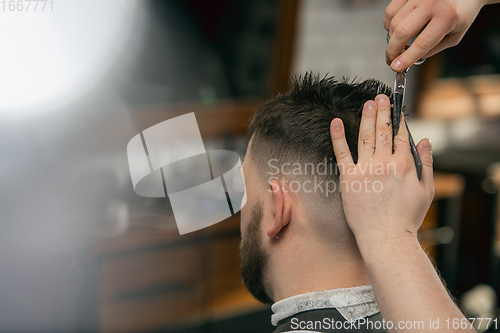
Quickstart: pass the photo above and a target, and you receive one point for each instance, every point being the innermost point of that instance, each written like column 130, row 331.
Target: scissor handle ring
column 418, row 62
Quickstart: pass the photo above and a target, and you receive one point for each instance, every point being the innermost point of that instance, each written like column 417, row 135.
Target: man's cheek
column 243, row 220
column 244, row 199
column 246, row 219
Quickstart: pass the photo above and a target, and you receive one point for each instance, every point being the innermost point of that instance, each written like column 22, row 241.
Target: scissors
column 399, row 96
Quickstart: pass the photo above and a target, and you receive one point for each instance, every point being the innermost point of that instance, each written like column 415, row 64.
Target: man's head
column 291, row 178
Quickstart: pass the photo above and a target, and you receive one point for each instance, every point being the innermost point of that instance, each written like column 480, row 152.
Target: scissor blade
column 399, row 97
column 396, row 112
column 414, row 152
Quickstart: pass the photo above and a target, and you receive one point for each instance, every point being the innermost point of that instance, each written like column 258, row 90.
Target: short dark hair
column 295, row 126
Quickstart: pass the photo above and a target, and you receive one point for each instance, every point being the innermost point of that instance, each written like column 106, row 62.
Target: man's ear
column 282, row 208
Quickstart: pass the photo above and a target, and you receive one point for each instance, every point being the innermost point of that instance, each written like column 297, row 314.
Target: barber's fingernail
column 381, row 98
column 397, row 65
column 337, row 124
column 427, row 145
column 371, row 105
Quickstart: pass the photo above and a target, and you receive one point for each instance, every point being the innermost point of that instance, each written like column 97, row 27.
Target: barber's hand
column 444, row 23
column 381, row 194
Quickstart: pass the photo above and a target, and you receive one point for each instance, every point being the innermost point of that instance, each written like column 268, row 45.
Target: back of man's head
column 290, row 141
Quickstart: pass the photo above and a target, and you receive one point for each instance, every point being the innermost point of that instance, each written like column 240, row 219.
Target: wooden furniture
column 440, row 231
column 155, row 279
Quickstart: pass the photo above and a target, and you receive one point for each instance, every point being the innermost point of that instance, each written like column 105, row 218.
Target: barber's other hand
column 381, row 194
column 444, row 23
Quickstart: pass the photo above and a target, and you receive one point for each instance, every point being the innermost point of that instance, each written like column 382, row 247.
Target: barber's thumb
column 424, row 148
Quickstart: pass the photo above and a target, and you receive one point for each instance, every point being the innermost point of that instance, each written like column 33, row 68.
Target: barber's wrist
column 377, row 232
column 376, row 249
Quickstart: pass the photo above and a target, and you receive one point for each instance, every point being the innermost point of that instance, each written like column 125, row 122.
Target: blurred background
column 81, row 252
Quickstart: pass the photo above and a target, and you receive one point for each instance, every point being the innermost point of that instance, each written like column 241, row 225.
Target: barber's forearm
column 490, row 2
column 407, row 287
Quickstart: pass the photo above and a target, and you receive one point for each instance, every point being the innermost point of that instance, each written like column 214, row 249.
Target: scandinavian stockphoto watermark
column 169, row 159
column 323, row 177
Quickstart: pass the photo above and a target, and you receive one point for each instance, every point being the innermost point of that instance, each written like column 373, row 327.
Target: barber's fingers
column 447, row 42
column 366, row 139
column 405, row 11
column 391, row 10
column 425, row 151
column 340, row 147
column 404, row 28
column 383, row 136
column 396, row 11
column 433, row 33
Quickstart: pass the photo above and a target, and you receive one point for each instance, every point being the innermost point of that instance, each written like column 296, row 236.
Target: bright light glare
column 50, row 57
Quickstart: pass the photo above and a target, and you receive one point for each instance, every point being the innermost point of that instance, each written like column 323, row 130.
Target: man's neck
column 299, row 267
